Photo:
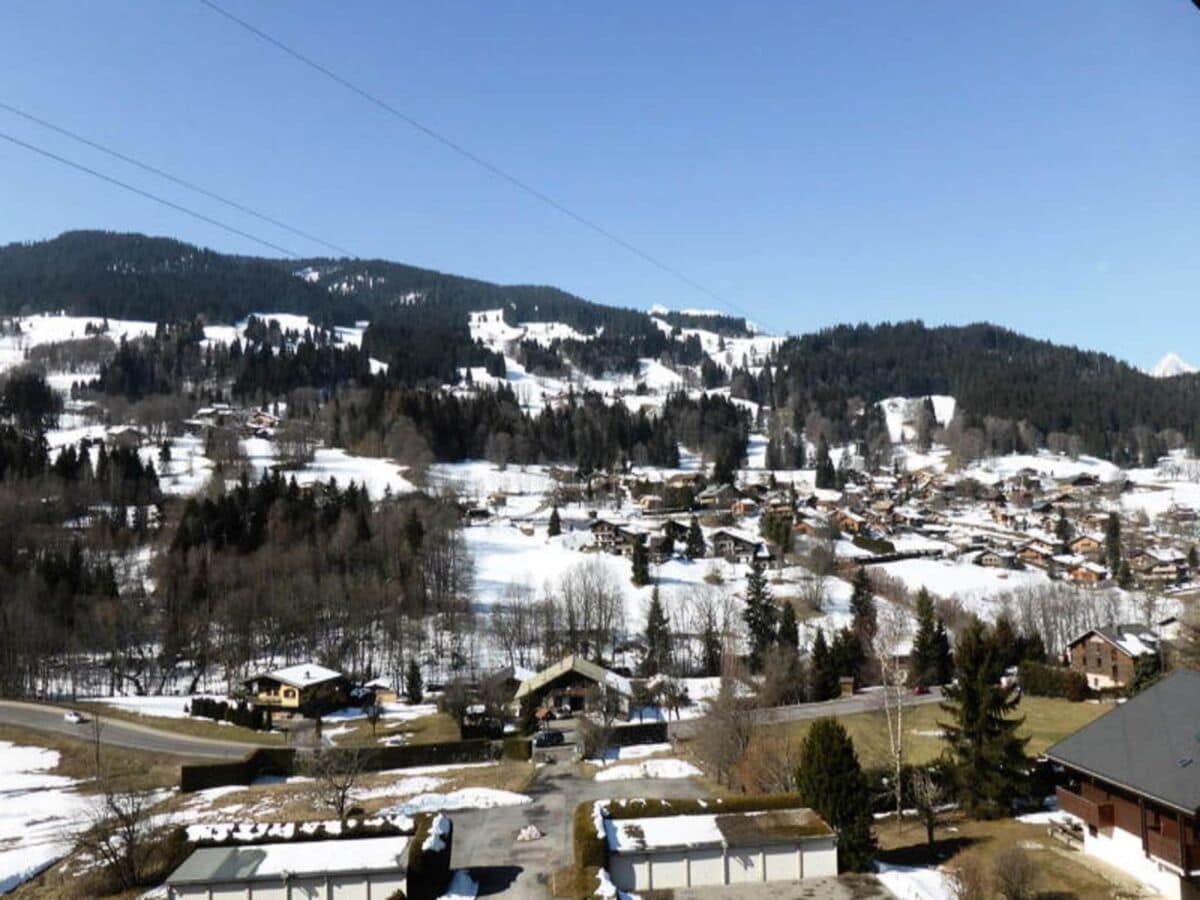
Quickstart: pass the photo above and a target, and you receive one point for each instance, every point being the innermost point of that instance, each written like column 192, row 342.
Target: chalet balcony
column 1169, row 850
column 1095, row 815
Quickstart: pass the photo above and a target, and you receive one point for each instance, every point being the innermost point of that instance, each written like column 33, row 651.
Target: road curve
column 118, row 733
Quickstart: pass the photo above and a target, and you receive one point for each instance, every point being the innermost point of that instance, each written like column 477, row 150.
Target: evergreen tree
column 1112, row 542
column 826, row 474
column 831, row 782
column 923, row 660
column 1193, row 558
column 862, row 607
column 823, row 671
column 942, row 655
column 710, row 646
column 554, row 528
column 1063, row 529
column 1006, row 645
column 759, row 614
column 695, row 540
column 641, row 563
column 789, row 629
column 1033, row 648
column 986, row 758
column 848, row 656
column 1146, row 670
column 658, row 637
column 414, row 690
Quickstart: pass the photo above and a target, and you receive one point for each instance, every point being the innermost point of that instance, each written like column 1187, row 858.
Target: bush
column 1014, row 873
column 873, row 545
column 518, row 748
column 219, row 711
column 642, row 733
column 429, row 869
column 1052, row 681
column 650, row 808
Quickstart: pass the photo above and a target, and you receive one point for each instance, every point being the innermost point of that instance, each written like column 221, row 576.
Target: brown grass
column 433, row 729
column 1062, row 873
column 204, row 728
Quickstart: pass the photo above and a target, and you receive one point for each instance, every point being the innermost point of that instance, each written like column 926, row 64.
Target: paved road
column 867, row 701
column 118, row 733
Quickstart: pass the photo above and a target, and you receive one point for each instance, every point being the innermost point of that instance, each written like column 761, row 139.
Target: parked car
column 74, row 718
column 548, row 738
column 919, row 690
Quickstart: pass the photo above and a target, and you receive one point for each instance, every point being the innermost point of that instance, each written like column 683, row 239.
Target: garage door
column 782, row 863
column 668, row 870
column 744, row 866
column 708, row 867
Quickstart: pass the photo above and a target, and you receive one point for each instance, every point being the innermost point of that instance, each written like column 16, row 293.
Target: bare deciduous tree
column 335, row 773
column 890, row 635
column 928, row 797
column 118, row 836
column 722, row 743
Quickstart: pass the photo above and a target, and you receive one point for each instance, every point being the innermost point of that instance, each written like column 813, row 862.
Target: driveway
column 485, row 840
column 118, row 733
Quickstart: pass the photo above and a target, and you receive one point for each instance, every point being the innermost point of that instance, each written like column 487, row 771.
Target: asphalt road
column 117, row 733
column 867, row 701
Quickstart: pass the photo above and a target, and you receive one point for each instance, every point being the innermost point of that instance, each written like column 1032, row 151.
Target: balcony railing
column 1095, row 815
column 1168, row 850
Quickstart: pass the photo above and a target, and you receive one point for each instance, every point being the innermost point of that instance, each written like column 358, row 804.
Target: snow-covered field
column 39, row 813
column 649, row 768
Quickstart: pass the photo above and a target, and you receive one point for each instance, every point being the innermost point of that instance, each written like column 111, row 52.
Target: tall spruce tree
column 554, row 528
column 831, row 782
column 789, row 629
column 942, row 654
column 824, row 681
column 710, row 645
column 985, row 756
column 826, row 474
column 695, row 540
column 1112, row 543
column 923, row 660
column 641, row 563
column 759, row 615
column 658, row 637
column 865, row 620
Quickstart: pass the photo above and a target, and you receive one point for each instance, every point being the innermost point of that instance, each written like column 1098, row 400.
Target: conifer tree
column 862, row 607
column 923, row 660
column 658, row 637
column 695, row 540
column 826, row 475
column 414, row 690
column 831, row 782
column 942, row 655
column 985, row 755
column 554, row 528
column 1112, row 543
column 759, row 614
column 789, row 630
column 710, row 646
column 641, row 563
column 823, row 672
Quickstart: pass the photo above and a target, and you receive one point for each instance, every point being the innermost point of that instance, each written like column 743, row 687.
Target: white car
column 73, row 717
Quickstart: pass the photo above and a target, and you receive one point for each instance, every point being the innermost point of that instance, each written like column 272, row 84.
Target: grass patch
column 437, row 728
column 202, row 728
column 1047, row 721
column 1062, row 873
column 130, row 769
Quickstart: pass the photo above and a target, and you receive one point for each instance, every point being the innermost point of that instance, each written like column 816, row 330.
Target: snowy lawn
column 650, row 768
column 463, row 798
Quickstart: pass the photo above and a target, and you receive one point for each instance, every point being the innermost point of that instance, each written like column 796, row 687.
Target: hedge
column 591, row 850
column 650, row 808
column 282, row 761
column 518, row 748
column 874, row 545
column 429, row 870
column 641, row 733
column 271, row 833
column 218, row 710
column 1052, row 681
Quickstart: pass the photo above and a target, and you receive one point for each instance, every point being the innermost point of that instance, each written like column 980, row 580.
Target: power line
column 474, row 157
column 149, row 196
column 154, row 170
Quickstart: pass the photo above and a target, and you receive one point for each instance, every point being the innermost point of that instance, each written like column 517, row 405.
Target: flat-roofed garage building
column 360, row 869
column 729, row 848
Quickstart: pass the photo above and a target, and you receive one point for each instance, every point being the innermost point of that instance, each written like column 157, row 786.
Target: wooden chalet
column 1132, row 778
column 1107, row 656
column 305, row 688
column 734, row 546
column 568, row 683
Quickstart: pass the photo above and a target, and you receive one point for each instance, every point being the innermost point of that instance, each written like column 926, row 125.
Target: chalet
column 1160, row 564
column 734, row 546
column 1086, row 545
column 611, row 537
column 1088, row 573
column 997, row 559
column 1131, row 779
column 1108, row 656
column 675, row 530
column 650, row 502
column 744, row 506
column 569, row 683
column 305, row 688
column 850, row 522
column 718, row 496
column 1036, row 553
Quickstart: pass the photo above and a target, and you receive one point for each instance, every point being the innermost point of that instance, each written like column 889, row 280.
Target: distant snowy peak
column 1170, row 366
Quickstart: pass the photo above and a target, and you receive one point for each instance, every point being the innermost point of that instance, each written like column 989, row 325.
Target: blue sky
column 1029, row 163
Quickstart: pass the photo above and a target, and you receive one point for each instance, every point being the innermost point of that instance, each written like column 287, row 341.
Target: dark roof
column 1149, row 744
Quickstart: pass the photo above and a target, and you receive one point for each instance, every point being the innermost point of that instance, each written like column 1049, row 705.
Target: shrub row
column 642, row 733
column 218, row 710
column 591, row 850
column 348, row 830
column 1052, row 681
column 429, row 870
column 649, row 808
column 282, row 761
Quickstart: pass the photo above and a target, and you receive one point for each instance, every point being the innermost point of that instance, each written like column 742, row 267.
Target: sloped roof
column 301, row 675
column 1150, row 744
column 580, row 666
column 1133, row 640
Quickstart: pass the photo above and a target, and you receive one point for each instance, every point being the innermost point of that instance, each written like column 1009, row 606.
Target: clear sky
column 1030, row 163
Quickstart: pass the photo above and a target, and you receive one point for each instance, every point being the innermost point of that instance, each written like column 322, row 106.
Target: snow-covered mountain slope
column 1170, row 366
